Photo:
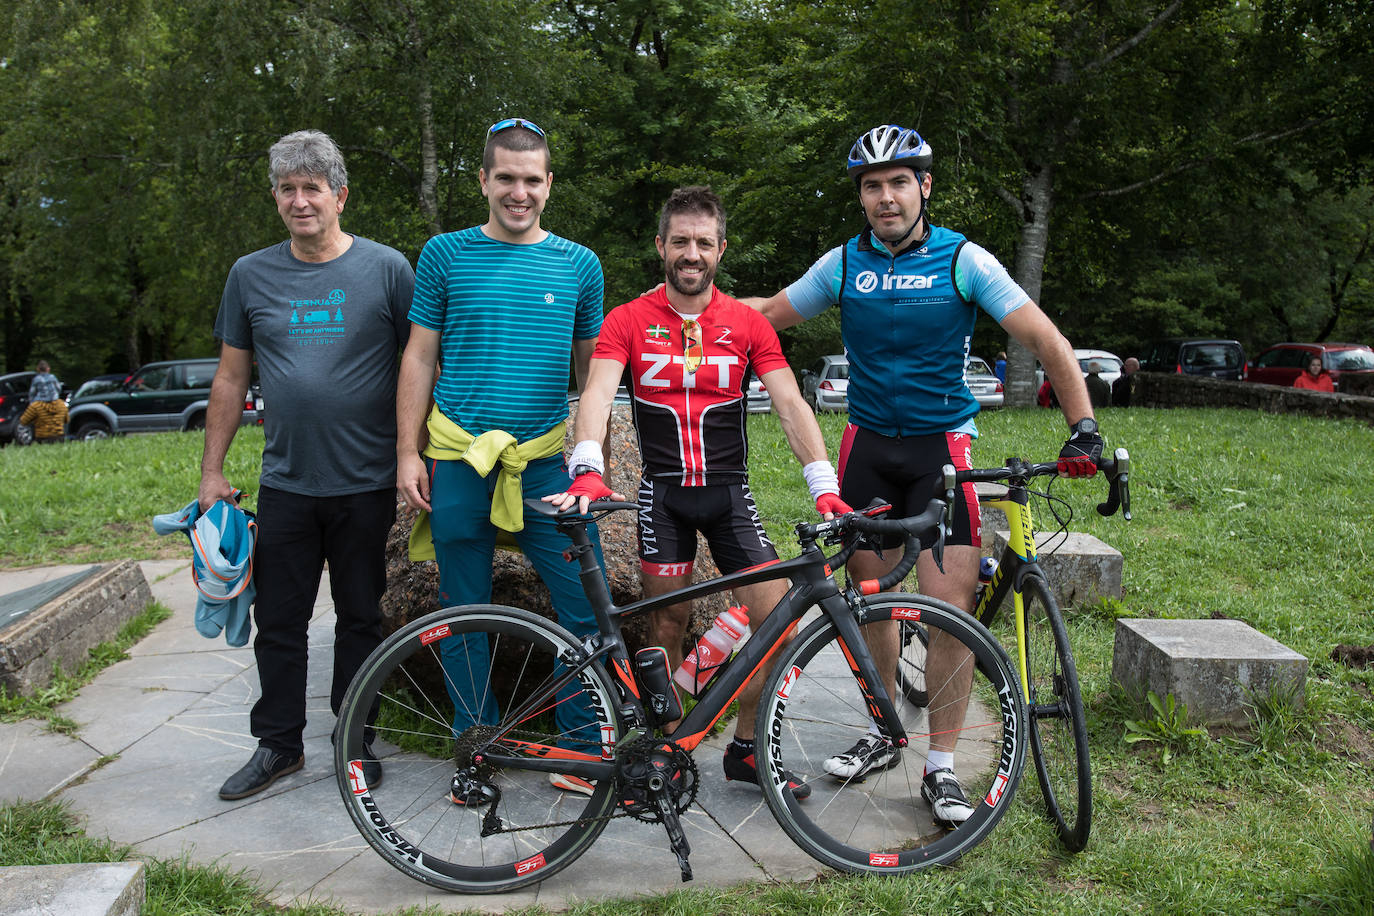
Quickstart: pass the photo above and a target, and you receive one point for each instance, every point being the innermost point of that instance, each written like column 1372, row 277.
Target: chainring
column 640, row 761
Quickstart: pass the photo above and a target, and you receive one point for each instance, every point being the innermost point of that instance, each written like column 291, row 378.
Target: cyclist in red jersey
column 689, row 350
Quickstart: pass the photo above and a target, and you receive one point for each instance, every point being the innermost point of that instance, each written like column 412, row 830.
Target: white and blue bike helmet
column 889, row 145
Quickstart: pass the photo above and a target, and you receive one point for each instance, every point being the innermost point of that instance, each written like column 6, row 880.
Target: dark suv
column 160, row 396
column 14, row 397
column 1196, row 356
column 1282, row 363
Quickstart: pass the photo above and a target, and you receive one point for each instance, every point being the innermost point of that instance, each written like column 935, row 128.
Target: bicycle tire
column 409, row 817
column 1059, row 730
column 911, row 663
column 813, row 707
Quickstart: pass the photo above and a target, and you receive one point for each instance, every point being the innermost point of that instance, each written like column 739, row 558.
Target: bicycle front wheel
column 911, row 663
column 814, row 709
column 1059, row 731
column 435, row 693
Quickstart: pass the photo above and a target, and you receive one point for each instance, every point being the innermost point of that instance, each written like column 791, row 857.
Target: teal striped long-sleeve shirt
column 507, row 316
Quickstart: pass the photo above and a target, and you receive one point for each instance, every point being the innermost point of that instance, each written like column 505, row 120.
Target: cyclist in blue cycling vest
column 908, row 294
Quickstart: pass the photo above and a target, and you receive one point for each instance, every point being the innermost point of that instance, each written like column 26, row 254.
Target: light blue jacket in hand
column 222, row 542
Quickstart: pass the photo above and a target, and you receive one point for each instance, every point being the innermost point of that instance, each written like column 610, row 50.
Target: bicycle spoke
column 877, row 821
column 486, row 664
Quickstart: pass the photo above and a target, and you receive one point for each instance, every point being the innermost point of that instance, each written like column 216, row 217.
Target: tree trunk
column 424, row 104
column 1037, row 198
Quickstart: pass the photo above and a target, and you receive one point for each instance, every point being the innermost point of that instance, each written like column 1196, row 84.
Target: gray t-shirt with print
column 326, row 337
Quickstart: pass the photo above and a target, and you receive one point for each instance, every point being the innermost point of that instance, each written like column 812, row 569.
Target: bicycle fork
column 860, row 660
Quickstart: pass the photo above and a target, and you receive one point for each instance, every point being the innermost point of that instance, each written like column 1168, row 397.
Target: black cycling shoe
column 265, row 767
column 372, row 768
column 745, row 769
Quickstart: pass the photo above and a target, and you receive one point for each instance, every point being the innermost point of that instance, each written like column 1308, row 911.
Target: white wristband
column 820, row 478
column 586, row 454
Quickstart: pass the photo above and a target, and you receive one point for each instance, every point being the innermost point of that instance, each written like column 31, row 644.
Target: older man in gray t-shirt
column 325, row 314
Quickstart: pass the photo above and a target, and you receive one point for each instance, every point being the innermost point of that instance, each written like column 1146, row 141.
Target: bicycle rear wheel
column 1059, row 731
column 442, row 687
column 814, row 708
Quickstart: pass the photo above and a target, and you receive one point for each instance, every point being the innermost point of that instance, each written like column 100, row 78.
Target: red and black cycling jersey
column 691, row 424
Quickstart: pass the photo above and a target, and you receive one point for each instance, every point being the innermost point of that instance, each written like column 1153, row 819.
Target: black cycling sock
column 741, row 747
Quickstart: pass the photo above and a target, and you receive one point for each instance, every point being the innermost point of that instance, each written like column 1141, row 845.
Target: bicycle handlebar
column 910, row 529
column 1116, row 468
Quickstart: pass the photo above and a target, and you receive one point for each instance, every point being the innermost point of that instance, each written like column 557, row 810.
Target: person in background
column 1121, row 388
column 1099, row 392
column 1314, row 378
column 999, row 368
column 47, row 412
column 327, row 492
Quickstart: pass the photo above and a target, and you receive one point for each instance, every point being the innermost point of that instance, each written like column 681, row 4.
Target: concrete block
column 66, row 627
column 1216, row 667
column 1081, row 569
column 105, row 889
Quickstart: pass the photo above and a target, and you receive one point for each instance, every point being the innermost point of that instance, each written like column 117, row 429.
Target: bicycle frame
column 813, row 585
column 1019, row 560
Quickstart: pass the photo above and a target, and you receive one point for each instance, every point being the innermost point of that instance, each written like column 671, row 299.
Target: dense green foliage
column 1194, row 166
column 1232, row 516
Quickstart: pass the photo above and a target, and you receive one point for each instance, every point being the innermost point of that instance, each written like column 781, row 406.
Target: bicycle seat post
column 589, row 568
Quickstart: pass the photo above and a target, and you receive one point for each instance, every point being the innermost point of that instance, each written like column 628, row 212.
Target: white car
column 757, row 398
column 825, row 386
column 987, row 388
column 1109, row 364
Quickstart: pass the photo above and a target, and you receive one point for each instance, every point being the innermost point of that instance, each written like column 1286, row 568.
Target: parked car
column 984, row 384
column 14, row 397
column 757, row 398
column 100, row 383
column 1217, row 358
column 160, row 396
column 825, row 386
column 1282, row 363
column 622, row 396
column 1108, row 362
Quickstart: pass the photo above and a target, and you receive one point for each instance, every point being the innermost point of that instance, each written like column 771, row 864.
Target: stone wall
column 1157, row 389
column 62, row 631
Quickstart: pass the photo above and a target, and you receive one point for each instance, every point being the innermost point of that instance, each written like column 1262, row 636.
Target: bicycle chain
column 620, row 810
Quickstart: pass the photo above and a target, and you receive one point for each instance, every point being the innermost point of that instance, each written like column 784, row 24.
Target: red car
column 1282, row 363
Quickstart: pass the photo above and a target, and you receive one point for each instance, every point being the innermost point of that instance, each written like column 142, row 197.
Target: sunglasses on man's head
column 691, row 345
column 515, row 122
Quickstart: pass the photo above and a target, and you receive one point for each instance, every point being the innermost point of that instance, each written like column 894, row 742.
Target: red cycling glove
column 1079, row 456
column 831, row 502
column 589, row 485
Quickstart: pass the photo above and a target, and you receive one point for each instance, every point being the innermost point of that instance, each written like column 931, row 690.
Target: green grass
column 1257, row 517
column 87, row 502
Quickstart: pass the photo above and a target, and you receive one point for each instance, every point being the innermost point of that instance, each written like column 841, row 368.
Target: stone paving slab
column 1217, row 667
column 176, row 714
column 105, row 889
column 34, row 762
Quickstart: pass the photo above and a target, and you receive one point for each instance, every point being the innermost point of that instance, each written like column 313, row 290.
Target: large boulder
column 413, row 588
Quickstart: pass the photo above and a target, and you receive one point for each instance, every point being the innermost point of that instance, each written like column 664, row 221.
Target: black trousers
column 297, row 535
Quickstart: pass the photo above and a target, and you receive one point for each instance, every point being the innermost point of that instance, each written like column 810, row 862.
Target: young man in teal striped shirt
column 499, row 306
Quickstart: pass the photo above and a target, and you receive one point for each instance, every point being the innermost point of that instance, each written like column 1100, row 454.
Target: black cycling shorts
column 670, row 515
column 905, row 472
